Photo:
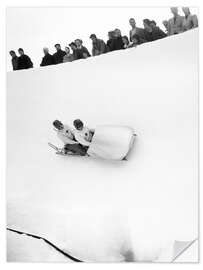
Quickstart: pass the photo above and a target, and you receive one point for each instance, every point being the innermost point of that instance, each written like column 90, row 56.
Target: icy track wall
column 101, row 211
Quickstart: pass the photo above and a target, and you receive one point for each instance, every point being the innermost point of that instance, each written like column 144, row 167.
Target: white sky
column 35, row 28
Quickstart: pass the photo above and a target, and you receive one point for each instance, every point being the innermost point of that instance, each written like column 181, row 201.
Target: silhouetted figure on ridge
column 48, row 59
column 73, row 47
column 59, row 54
column 175, row 24
column 115, row 41
column 125, row 42
column 110, row 41
column 81, row 51
column 157, row 33
column 98, row 45
column 24, row 61
column 136, row 31
column 14, row 60
column 68, row 57
column 189, row 21
column 152, row 32
column 118, row 42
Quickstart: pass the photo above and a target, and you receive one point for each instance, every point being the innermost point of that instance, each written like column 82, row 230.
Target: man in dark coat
column 48, row 59
column 24, row 61
column 157, row 33
column 14, row 60
column 110, row 41
column 118, row 41
column 98, row 45
column 152, row 32
column 81, row 51
column 58, row 56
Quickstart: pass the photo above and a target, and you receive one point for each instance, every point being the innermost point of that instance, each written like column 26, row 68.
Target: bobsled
column 111, row 142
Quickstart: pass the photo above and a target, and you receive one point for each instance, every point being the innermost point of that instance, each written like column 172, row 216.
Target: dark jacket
column 24, row 62
column 110, row 45
column 14, row 61
column 98, row 47
column 118, row 43
column 148, row 36
column 58, row 56
column 155, row 34
column 47, row 60
column 115, row 44
column 81, row 53
column 139, row 32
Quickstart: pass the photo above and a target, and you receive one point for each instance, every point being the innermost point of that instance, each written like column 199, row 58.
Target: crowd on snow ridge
column 151, row 32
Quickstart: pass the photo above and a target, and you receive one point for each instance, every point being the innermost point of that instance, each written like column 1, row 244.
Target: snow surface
column 101, row 211
column 22, row 248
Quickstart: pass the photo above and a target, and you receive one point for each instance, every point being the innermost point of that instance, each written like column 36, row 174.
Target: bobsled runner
column 60, row 151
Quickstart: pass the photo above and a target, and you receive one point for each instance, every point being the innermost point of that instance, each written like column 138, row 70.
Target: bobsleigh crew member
column 82, row 133
column 66, row 135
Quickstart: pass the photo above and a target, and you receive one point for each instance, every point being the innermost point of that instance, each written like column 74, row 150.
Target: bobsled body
column 111, row 142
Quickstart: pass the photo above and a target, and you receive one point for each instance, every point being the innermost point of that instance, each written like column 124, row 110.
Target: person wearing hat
column 82, row 133
column 98, row 45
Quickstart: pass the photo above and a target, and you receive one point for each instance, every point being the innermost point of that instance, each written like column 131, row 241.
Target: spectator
column 165, row 24
column 81, row 51
column 68, row 57
column 135, row 41
column 189, row 21
column 157, row 33
column 110, row 41
column 73, row 47
column 117, row 41
column 125, row 42
column 147, row 30
column 24, row 61
column 59, row 54
column 175, row 24
column 136, row 30
column 152, row 32
column 14, row 60
column 98, row 45
column 48, row 59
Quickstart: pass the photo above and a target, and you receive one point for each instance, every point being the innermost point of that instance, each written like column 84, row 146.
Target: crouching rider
column 82, row 133
column 71, row 145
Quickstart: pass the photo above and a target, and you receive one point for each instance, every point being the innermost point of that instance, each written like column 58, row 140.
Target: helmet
column 57, row 124
column 78, row 124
